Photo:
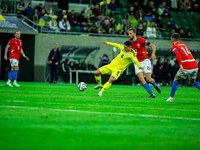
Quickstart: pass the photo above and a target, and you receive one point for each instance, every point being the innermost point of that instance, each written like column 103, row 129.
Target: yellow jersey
column 123, row 59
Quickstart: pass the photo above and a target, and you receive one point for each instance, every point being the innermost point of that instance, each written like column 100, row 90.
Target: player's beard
column 17, row 37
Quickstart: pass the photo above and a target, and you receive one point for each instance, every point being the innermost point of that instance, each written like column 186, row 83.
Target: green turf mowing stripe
column 127, row 107
column 106, row 113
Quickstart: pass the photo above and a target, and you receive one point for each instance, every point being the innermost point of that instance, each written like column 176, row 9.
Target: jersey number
column 122, row 55
column 187, row 52
column 18, row 47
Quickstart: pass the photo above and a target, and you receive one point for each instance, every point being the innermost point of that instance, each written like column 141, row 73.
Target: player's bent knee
column 111, row 79
column 148, row 79
column 141, row 79
column 97, row 72
column 191, row 81
column 177, row 78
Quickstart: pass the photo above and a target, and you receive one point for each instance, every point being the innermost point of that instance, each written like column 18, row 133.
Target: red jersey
column 15, row 47
column 139, row 46
column 184, row 56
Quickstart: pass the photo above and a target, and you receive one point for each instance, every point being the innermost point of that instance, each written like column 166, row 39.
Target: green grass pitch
column 58, row 116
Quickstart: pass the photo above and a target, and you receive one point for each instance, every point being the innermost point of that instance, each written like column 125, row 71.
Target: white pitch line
column 106, row 113
column 110, row 106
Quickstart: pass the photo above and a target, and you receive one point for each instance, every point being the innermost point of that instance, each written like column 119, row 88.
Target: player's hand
column 181, row 67
column 26, row 58
column 5, row 57
column 182, row 71
column 153, row 56
column 140, row 68
column 105, row 42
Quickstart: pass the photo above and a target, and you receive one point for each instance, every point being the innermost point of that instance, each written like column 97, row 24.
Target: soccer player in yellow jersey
column 117, row 65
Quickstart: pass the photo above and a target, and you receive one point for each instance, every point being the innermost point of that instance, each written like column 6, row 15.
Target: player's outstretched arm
column 153, row 54
column 6, row 52
column 22, row 52
column 119, row 46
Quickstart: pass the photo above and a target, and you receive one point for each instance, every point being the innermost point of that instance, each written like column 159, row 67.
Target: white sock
column 15, row 81
column 8, row 81
column 171, row 97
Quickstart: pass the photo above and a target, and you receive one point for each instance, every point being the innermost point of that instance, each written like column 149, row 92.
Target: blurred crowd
column 104, row 16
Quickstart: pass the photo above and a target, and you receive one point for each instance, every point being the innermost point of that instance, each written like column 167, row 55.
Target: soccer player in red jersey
column 188, row 65
column 15, row 45
column 138, row 44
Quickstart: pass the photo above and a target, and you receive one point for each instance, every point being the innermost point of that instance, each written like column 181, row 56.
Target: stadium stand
column 187, row 19
column 107, row 26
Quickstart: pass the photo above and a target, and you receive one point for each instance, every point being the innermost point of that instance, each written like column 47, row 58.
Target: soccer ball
column 82, row 86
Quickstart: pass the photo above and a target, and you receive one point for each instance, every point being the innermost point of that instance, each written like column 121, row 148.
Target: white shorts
column 192, row 74
column 14, row 62
column 145, row 64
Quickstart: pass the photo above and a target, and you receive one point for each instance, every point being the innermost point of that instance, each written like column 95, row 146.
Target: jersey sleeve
column 178, row 57
column 145, row 42
column 119, row 46
column 174, row 49
column 135, row 60
column 10, row 42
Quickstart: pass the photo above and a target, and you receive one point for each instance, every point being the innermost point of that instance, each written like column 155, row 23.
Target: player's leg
column 194, row 83
column 16, row 70
column 114, row 76
column 97, row 76
column 192, row 78
column 152, row 81
column 140, row 76
column 12, row 72
column 147, row 71
column 10, row 77
column 178, row 77
column 107, row 85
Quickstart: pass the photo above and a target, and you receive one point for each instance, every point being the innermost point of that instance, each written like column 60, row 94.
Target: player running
column 15, row 45
column 188, row 65
column 138, row 44
column 117, row 66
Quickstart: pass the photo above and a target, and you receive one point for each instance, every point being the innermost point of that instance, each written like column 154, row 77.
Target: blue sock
column 154, row 83
column 15, row 74
column 197, row 85
column 11, row 74
column 174, row 88
column 147, row 87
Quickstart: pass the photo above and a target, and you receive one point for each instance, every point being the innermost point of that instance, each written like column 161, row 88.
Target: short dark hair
column 16, row 32
column 175, row 36
column 133, row 29
column 128, row 43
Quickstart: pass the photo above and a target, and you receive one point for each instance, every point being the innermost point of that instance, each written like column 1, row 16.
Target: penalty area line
column 105, row 113
column 109, row 106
